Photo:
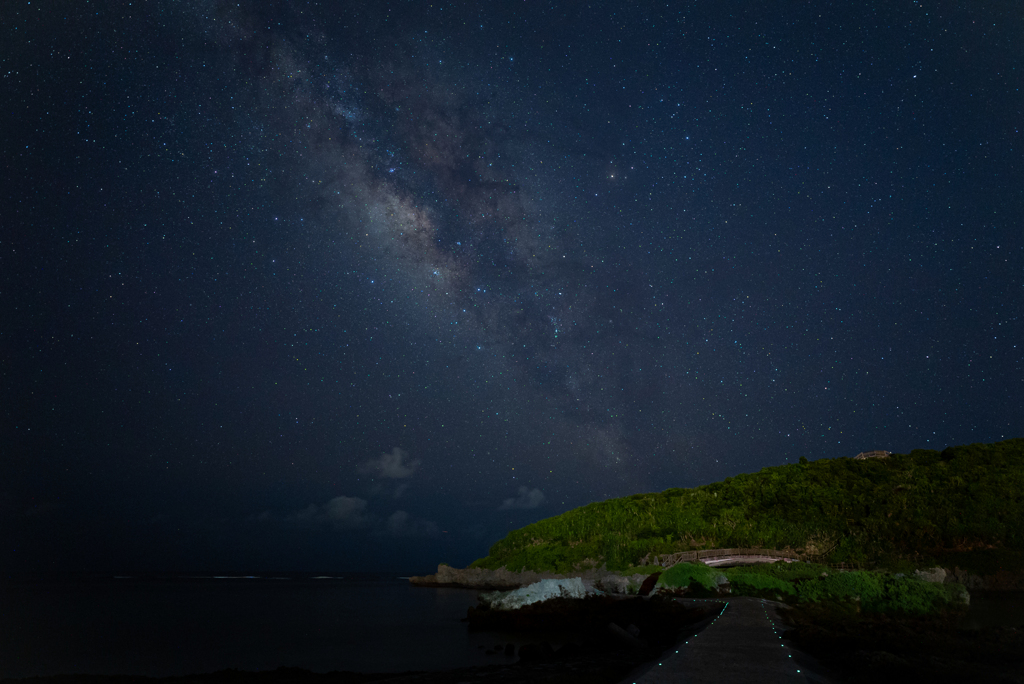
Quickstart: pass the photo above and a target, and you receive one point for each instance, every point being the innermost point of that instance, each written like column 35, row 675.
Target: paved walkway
column 743, row 644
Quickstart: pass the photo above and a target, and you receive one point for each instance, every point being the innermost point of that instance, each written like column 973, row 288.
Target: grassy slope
column 874, row 592
column 919, row 506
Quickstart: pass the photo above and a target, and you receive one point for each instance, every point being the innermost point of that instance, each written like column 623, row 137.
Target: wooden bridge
column 742, row 644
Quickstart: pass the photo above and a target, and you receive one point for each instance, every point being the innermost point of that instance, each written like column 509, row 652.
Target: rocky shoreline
column 614, row 583
column 503, row 579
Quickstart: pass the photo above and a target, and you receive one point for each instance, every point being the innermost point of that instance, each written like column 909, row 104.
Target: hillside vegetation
column 873, row 592
column 908, row 508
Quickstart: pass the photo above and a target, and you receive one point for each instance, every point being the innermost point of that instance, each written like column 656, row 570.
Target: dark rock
column 648, row 586
column 541, row 651
column 659, row 620
column 880, row 658
column 510, row 649
column 625, row 637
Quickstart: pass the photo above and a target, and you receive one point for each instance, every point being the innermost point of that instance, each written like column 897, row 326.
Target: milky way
column 536, row 255
column 447, row 192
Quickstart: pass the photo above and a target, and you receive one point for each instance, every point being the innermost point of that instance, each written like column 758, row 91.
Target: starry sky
column 365, row 286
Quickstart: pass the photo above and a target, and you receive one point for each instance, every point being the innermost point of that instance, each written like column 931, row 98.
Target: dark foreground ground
column 875, row 649
column 620, row 637
column 612, row 637
column 582, row 669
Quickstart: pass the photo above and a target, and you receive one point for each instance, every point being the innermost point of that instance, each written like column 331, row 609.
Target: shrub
column 909, row 595
column 843, row 586
column 791, row 572
column 759, row 584
column 642, row 570
column 881, row 593
column 691, row 575
column 957, row 594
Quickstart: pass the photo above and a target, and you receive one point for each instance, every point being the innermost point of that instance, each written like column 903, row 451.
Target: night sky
column 365, row 286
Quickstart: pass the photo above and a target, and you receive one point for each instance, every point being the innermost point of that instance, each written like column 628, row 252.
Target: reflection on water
column 994, row 609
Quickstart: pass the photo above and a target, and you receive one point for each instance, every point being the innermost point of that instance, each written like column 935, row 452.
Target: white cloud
column 341, row 511
column 350, row 512
column 346, row 511
column 400, row 524
column 528, row 498
column 396, row 465
column 307, row 513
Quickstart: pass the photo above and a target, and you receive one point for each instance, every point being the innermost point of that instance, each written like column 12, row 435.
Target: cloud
column 527, row 499
column 346, row 511
column 400, row 524
column 396, row 465
column 350, row 512
column 342, row 511
column 307, row 513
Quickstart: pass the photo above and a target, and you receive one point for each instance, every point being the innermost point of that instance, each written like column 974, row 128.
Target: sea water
column 175, row 625
column 994, row 609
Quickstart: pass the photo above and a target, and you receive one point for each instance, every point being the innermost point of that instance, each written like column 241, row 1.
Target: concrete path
column 743, row 644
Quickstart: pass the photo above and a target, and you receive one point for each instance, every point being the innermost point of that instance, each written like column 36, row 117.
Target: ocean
column 172, row 625
column 167, row 625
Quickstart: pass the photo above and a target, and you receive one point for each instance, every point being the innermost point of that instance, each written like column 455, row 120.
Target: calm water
column 165, row 626
column 185, row 625
column 995, row 609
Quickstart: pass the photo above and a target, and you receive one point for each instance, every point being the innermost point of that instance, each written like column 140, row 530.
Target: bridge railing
column 719, row 553
column 847, row 566
column 692, row 556
column 708, row 554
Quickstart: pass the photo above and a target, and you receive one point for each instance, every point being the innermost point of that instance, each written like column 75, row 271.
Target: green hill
column 965, row 503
